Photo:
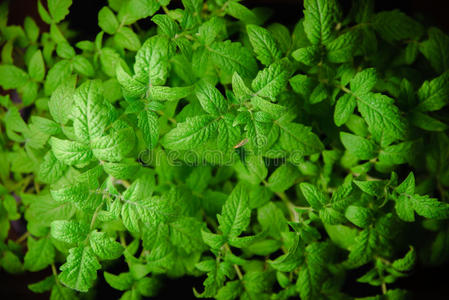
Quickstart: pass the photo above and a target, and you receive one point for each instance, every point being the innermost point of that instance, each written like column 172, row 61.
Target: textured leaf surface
column 192, row 133
column 319, row 20
column 264, row 45
column 104, row 246
column 80, row 270
column 236, row 214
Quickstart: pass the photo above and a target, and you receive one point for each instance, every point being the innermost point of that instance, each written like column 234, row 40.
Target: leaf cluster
column 269, row 159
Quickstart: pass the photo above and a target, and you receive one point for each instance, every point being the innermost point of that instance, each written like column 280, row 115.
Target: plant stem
column 294, row 216
column 236, row 267
column 168, row 118
column 94, row 217
column 22, row 237
column 122, row 239
column 384, row 288
column 55, row 273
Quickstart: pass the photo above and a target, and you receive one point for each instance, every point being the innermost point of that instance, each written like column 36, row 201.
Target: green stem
column 94, row 217
column 294, row 216
column 55, row 273
column 160, row 112
column 236, row 267
column 23, row 237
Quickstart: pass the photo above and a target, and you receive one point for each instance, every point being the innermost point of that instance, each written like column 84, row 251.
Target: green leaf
column 308, row 55
column 109, row 59
column 51, row 169
column 215, row 241
column 40, row 254
column 275, row 110
column 360, row 216
column 363, row 82
column 230, row 291
column 14, row 121
column 383, row 118
column 425, row 206
column 362, row 251
column 64, row 50
column 104, row 246
column 373, row 188
column 362, row 148
column 11, row 263
column 91, row 115
column 235, row 215
column 115, row 146
column 434, row 94
column 228, row 135
column 312, row 273
column 59, row 9
column 133, row 87
column 232, row 57
column 291, row 260
column 148, row 286
column 83, row 66
column 212, row 30
column 186, row 234
column 329, row 215
column 43, row 13
column 12, row 77
column 71, row 193
column 397, row 154
column 148, row 123
column 42, row 286
column 210, row 98
column 407, row 262
column 61, row 100
column 126, row 38
column 122, row 170
column 166, row 25
column 299, row 139
column 80, row 270
column 60, row 292
column 46, row 210
column 395, row 25
column 194, row 132
column 31, row 29
column 240, row 12
column 70, row 152
column 193, row 5
column 256, row 165
column 152, row 66
column 264, row 45
column 341, row 49
column 319, row 93
column 107, row 20
column 435, row 49
column 165, row 93
column 343, row 109
column 69, row 231
column 56, row 75
column 283, row 178
column 147, row 210
column 320, row 18
column 271, row 81
column 36, row 67
column 302, row 84
column 241, row 91
column 257, row 132
column 313, row 195
column 121, row 282
column 133, row 10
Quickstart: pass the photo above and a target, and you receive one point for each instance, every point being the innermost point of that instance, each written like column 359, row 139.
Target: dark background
column 425, row 283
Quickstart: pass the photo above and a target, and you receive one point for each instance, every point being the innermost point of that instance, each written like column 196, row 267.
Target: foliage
column 269, row 160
